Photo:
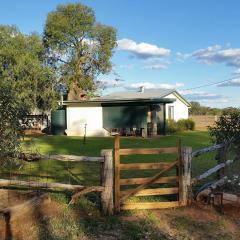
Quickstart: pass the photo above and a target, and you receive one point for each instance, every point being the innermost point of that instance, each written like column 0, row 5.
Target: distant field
column 203, row 121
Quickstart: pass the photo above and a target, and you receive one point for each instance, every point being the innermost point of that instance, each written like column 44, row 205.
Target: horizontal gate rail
column 136, row 181
column 133, row 151
column 150, row 205
column 153, row 192
column 139, row 166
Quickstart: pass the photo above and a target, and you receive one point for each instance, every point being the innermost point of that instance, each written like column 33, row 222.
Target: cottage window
column 170, row 112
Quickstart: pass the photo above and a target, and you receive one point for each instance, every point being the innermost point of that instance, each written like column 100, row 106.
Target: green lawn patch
column 89, row 173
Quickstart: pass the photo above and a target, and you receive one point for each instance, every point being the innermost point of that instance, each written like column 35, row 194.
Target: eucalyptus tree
column 26, row 84
column 79, row 47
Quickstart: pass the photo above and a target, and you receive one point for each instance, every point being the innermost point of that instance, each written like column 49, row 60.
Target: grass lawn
column 88, row 173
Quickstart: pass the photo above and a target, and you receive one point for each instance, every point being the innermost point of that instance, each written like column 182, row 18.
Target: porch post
column 154, row 120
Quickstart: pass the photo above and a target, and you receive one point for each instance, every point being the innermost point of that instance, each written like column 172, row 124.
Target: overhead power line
column 209, row 84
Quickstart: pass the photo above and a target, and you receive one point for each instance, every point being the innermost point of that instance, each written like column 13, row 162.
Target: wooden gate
column 182, row 178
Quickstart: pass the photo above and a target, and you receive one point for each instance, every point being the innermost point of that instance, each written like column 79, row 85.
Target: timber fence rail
column 221, row 158
column 211, row 192
column 106, row 178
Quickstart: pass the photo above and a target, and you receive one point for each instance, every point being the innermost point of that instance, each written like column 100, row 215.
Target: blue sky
column 182, row 44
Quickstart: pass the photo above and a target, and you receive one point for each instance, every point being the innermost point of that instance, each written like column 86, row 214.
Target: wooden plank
column 149, row 205
column 139, row 166
column 207, row 149
column 151, row 180
column 152, row 192
column 117, row 173
column 135, row 151
column 74, row 158
column 136, row 181
column 47, row 185
column 211, row 171
column 59, row 157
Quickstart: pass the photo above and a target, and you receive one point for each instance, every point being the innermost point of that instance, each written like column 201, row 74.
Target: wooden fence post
column 117, row 173
column 221, row 157
column 186, row 175
column 107, row 182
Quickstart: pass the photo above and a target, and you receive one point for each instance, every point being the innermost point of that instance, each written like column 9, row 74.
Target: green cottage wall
column 125, row 116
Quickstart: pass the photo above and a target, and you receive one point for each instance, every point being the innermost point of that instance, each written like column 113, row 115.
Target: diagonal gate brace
column 150, row 181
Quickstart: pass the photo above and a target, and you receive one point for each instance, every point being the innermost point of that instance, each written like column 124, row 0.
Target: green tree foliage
column 26, row 84
column 78, row 46
column 23, row 68
column 10, row 113
column 227, row 127
column 198, row 109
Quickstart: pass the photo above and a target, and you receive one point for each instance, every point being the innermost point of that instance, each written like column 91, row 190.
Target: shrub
column 186, row 124
column 190, row 124
column 171, row 126
column 227, row 127
column 180, row 125
column 10, row 113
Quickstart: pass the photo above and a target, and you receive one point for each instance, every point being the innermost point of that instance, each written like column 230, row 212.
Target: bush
column 190, row 124
column 227, row 127
column 180, row 125
column 10, row 113
column 171, row 126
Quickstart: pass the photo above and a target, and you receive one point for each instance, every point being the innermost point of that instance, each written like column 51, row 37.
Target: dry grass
column 55, row 220
column 203, row 121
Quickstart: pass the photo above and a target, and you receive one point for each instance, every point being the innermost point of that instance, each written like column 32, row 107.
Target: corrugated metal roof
column 147, row 94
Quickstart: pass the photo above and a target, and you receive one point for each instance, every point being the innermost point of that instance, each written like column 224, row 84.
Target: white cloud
column 149, row 85
column 142, row 49
column 236, row 72
column 235, row 82
column 182, row 56
column 156, row 64
column 215, row 54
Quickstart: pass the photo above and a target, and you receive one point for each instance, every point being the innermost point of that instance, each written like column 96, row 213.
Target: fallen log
column 231, row 198
column 206, row 192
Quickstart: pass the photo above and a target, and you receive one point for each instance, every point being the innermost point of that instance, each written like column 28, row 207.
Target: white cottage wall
column 180, row 108
column 79, row 115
